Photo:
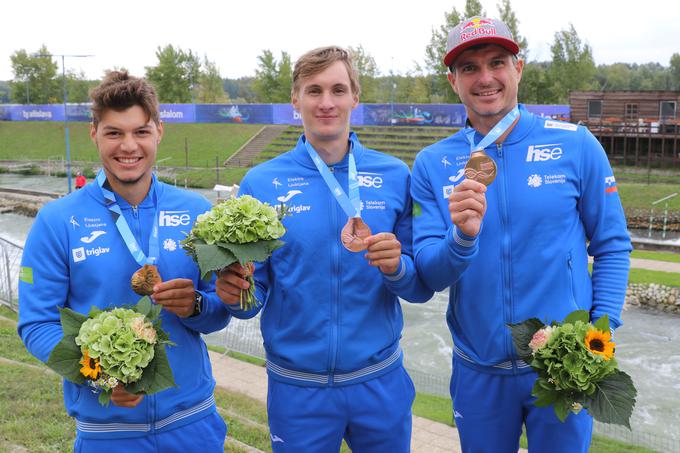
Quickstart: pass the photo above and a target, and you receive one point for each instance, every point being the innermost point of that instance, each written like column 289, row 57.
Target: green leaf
column 212, row 258
column 71, row 321
column 522, row 333
column 65, row 358
column 94, row 311
column 614, row 399
column 578, row 315
column 562, row 408
column 253, row 251
column 104, row 398
column 144, row 306
column 544, row 397
column 602, row 324
column 157, row 376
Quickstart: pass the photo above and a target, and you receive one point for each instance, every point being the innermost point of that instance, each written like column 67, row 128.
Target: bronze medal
column 353, row 234
column 144, row 279
column 481, row 168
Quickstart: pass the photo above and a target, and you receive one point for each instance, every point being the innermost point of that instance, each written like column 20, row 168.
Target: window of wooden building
column 631, row 111
column 667, row 110
column 594, row 108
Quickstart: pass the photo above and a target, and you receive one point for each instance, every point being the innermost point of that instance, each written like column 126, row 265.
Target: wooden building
column 640, row 128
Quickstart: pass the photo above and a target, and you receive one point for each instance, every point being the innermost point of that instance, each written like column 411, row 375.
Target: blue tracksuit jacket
column 554, row 192
column 329, row 318
column 77, row 259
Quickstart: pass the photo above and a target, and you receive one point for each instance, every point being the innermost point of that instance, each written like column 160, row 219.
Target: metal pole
column 66, row 132
column 665, row 219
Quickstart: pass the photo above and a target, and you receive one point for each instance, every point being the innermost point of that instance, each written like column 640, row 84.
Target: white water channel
column 648, row 344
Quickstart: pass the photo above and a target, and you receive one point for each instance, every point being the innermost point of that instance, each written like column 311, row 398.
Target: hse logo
column 173, row 218
column 81, row 253
column 369, row 180
column 542, row 153
column 288, row 196
column 94, row 235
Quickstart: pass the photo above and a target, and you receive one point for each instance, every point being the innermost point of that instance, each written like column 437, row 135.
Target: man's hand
column 467, row 205
column 176, row 296
column 231, row 281
column 384, row 252
column 121, row 397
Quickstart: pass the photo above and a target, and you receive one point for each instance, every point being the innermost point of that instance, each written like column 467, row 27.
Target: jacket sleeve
column 405, row 282
column 214, row 315
column 43, row 287
column 442, row 252
column 605, row 223
column 261, row 274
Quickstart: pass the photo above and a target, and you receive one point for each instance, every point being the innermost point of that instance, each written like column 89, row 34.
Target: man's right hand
column 467, row 205
column 231, row 281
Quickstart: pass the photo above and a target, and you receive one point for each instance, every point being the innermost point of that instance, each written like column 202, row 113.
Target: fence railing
column 10, row 259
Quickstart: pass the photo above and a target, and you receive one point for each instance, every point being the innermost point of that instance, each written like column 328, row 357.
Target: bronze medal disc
column 481, row 168
column 144, row 279
column 353, row 234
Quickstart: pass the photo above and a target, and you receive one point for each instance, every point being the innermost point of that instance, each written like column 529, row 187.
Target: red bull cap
column 478, row 30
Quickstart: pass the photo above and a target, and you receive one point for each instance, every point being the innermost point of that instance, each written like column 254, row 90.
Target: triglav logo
column 81, row 253
column 542, row 153
column 94, row 235
column 173, row 218
column 288, row 196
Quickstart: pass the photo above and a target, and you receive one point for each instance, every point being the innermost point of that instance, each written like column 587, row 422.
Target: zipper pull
column 134, row 210
column 499, row 147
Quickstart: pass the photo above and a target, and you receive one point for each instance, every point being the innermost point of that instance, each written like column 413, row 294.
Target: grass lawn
column 658, row 256
column 641, row 196
column 647, row 276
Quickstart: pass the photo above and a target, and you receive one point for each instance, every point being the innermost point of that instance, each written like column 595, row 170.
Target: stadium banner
column 446, row 115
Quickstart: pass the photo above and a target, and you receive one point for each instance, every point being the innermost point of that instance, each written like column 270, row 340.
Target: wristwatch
column 198, row 303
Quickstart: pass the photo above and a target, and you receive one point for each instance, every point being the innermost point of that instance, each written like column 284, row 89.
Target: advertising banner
column 286, row 114
column 234, row 113
column 449, row 115
column 178, row 113
column 51, row 112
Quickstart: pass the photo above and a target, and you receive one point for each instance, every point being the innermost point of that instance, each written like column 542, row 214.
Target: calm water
column 648, row 344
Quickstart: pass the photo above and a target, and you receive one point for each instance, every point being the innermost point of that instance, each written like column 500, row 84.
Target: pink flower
column 540, row 338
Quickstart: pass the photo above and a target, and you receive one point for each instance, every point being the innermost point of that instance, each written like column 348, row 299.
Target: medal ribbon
column 350, row 204
column 498, row 130
column 124, row 228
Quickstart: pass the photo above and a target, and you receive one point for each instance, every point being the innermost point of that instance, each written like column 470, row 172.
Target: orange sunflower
column 600, row 343
column 90, row 367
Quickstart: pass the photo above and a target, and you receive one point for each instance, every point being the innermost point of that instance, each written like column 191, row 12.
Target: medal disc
column 353, row 234
column 144, row 279
column 481, row 168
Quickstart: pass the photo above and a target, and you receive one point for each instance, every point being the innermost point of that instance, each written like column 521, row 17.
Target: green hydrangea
column 239, row 220
column 122, row 340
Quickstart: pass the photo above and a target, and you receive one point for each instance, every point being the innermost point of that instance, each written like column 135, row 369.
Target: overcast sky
column 232, row 33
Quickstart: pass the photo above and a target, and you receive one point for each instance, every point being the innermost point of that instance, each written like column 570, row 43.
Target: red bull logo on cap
column 477, row 22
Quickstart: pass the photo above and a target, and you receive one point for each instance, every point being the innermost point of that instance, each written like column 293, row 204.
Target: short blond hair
column 317, row 60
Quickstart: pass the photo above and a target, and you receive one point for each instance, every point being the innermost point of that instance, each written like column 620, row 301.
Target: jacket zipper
column 335, row 289
column 505, row 261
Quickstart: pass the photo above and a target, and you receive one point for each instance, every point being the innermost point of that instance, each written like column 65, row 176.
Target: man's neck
column 483, row 125
column 330, row 151
column 132, row 193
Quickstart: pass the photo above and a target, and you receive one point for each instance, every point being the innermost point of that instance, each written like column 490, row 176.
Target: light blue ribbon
column 498, row 130
column 124, row 228
column 352, row 204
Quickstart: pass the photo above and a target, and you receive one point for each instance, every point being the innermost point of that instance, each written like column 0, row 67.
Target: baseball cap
column 478, row 30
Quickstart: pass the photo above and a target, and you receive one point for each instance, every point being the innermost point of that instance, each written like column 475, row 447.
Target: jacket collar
column 155, row 193
column 519, row 131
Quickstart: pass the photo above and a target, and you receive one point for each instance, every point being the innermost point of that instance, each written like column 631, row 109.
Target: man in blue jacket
column 515, row 247
column 82, row 251
column 331, row 320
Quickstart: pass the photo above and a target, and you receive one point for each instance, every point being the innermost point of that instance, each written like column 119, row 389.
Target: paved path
column 652, row 265
column 251, row 380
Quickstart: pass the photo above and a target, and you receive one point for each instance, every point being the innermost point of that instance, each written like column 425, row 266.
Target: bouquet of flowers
column 118, row 346
column 576, row 367
column 238, row 230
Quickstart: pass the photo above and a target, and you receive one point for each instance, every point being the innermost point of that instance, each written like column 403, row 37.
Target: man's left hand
column 384, row 252
column 176, row 296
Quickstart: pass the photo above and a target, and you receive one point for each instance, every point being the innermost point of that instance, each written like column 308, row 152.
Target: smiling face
column 325, row 101
column 127, row 142
column 487, row 81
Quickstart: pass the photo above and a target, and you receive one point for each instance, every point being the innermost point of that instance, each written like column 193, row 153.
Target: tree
column 176, row 75
column 675, row 71
column 473, row 8
column 573, row 68
column 210, row 89
column 273, row 79
column 368, row 72
column 440, row 90
column 78, row 87
column 508, row 16
column 35, row 78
